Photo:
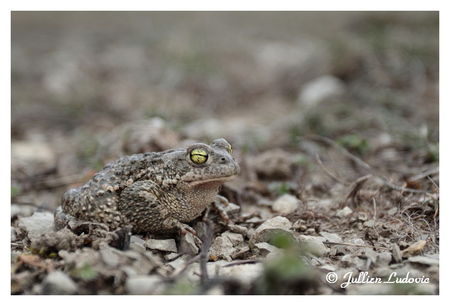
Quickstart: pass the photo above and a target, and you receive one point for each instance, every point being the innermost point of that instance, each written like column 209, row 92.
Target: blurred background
column 89, row 87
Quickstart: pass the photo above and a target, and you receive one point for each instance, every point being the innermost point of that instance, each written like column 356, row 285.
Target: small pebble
column 286, row 204
column 57, row 282
column 344, row 212
column 167, row 245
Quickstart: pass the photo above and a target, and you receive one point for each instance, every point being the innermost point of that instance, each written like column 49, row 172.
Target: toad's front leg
column 149, row 209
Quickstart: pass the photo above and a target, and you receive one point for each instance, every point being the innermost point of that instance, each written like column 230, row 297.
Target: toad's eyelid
column 199, row 152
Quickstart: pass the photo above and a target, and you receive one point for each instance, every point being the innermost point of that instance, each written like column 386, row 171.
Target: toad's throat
column 212, row 182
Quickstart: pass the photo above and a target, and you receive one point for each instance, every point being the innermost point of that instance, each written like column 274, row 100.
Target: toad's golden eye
column 199, row 156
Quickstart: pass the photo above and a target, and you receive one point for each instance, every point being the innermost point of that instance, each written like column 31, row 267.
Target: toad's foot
column 182, row 227
column 219, row 204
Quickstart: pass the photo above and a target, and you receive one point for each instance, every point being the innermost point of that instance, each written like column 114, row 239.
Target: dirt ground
column 333, row 118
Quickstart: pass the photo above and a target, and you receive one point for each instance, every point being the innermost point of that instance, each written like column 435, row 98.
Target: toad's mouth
column 212, row 181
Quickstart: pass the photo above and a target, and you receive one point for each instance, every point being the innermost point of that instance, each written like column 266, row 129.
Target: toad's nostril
column 223, row 160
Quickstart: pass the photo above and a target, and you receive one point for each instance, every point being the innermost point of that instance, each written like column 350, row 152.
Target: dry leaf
column 414, row 248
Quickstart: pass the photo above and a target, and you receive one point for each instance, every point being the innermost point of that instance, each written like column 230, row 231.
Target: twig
column 344, row 151
column 206, row 244
column 433, row 182
column 362, row 164
column 357, row 185
column 242, row 262
column 181, row 272
column 202, row 257
column 355, row 245
column 400, row 188
column 330, row 174
column 374, row 209
column 424, row 174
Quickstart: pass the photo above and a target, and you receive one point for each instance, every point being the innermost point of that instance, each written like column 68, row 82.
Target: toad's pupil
column 199, row 156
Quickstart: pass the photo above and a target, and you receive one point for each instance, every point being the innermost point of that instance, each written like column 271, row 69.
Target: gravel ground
column 334, row 125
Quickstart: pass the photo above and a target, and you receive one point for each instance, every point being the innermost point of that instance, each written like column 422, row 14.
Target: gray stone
column 188, row 245
column 384, row 258
column 392, row 211
column 313, row 245
column 240, row 251
column 109, row 257
column 13, row 234
column 323, row 203
column 357, row 241
column 369, row 223
column 36, row 154
column 129, row 271
column 143, row 284
column 424, row 260
column 426, row 289
column 314, row 261
column 221, row 248
column 137, row 239
column 137, row 244
column 167, row 245
column 36, row 225
column 214, row 267
column 299, row 225
column 275, row 163
column 226, row 246
column 319, row 90
column 344, row 212
column 371, row 254
column 362, row 216
column 254, row 220
column 57, row 282
column 22, row 210
column 389, row 289
column 310, row 231
column 266, row 249
column 179, row 263
column 286, row 204
column 348, row 259
column 245, row 273
column 329, row 268
column 271, row 227
column 171, row 256
column 133, row 254
column 396, row 253
column 234, row 238
column 384, row 271
column 216, row 290
column 369, row 289
column 331, row 237
column 232, row 209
